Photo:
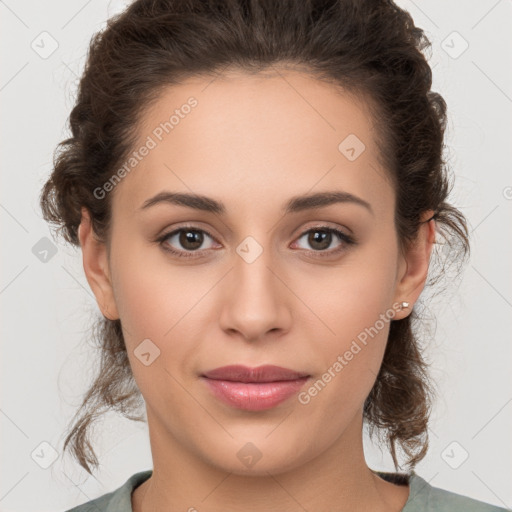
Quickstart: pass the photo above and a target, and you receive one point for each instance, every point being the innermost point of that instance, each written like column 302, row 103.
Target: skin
column 253, row 142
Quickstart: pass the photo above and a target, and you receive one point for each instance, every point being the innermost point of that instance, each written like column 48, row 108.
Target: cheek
column 355, row 307
column 351, row 364
column 350, row 298
column 158, row 305
column 151, row 295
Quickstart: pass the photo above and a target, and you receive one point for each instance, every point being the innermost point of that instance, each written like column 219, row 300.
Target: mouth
column 260, row 374
column 254, row 389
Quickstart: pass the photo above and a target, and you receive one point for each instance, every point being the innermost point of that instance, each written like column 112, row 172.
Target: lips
column 254, row 389
column 245, row 374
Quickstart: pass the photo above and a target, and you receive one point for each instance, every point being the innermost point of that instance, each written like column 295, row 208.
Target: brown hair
column 369, row 48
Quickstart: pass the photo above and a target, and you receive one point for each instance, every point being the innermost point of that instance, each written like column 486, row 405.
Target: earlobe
column 96, row 267
column 417, row 262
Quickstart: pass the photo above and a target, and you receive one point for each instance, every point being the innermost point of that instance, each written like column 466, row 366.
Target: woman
column 257, row 188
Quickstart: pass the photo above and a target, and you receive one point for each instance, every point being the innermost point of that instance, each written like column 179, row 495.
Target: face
column 312, row 288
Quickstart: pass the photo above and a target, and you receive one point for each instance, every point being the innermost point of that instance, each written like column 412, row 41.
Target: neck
column 336, row 480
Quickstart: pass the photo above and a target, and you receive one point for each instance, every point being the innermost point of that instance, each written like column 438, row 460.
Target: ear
column 96, row 267
column 413, row 267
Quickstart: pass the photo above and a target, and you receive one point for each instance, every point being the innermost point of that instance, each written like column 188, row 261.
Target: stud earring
column 404, row 305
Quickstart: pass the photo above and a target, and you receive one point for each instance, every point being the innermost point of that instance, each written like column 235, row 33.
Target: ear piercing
column 404, row 305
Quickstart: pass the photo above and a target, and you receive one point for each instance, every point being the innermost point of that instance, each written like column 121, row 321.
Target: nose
column 256, row 300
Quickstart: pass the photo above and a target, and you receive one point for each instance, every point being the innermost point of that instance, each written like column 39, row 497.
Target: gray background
column 47, row 306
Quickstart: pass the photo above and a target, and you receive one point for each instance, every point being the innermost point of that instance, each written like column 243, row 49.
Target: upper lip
column 265, row 373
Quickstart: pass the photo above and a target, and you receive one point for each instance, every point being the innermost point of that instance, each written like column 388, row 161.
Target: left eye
column 191, row 239
column 322, row 238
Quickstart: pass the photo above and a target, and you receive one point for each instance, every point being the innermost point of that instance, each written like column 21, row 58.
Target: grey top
column 423, row 497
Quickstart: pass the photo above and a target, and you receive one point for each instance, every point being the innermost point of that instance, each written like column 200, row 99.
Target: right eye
column 190, row 239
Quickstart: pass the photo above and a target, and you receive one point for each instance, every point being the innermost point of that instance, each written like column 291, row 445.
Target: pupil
column 191, row 237
column 323, row 237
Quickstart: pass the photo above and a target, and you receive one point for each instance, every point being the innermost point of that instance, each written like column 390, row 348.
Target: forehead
column 243, row 137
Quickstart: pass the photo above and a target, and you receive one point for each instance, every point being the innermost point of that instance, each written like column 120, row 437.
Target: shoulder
column 98, row 504
column 118, row 500
column 424, row 497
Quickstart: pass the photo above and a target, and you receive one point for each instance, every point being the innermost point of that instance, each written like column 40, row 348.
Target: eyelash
column 346, row 239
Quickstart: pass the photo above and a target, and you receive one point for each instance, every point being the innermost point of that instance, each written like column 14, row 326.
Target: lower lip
column 253, row 396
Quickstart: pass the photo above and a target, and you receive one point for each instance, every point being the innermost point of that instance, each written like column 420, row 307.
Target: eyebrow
column 294, row 205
